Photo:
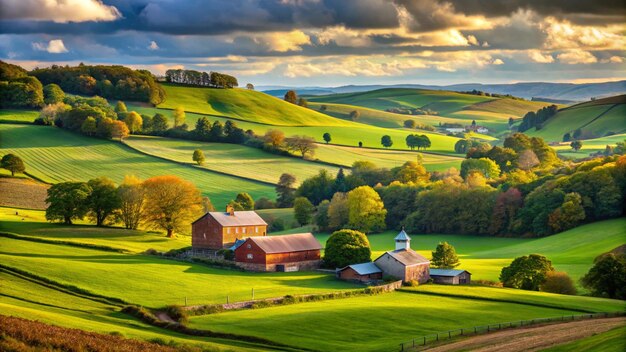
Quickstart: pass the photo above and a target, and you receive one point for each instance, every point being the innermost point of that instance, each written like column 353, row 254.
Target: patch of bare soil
column 532, row 338
column 22, row 193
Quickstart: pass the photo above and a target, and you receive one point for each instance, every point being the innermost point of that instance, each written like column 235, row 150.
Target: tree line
column 506, row 190
column 114, row 82
column 536, row 119
column 202, row 79
column 18, row 89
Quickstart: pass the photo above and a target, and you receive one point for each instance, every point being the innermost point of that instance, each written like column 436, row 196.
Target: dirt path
column 532, row 338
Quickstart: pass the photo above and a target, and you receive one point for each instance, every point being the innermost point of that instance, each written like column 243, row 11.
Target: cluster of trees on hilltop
column 495, row 95
column 536, row 119
column 116, row 82
column 412, row 111
column 202, row 79
column 18, row 89
column 519, row 189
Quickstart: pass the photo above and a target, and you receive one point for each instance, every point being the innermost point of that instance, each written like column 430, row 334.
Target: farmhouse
column 450, row 277
column 217, row 230
column 279, row 253
column 364, row 272
column 404, row 263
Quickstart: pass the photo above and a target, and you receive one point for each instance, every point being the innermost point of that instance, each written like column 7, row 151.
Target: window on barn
column 256, row 229
column 243, row 230
column 236, row 230
column 249, row 256
column 249, row 246
column 228, row 230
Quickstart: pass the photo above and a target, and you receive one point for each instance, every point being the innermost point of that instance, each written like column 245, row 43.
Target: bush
column 177, row 313
column 558, row 282
column 276, row 225
column 227, row 254
column 264, row 203
column 412, row 283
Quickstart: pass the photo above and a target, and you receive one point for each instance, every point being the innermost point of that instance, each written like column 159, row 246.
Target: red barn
column 217, row 230
column 279, row 253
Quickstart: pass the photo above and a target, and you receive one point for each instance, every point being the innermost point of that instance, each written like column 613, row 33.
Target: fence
column 447, row 335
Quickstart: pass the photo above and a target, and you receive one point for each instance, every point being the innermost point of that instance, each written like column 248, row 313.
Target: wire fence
column 481, row 329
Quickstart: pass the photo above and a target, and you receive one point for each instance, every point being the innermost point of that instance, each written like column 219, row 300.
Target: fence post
column 500, row 326
column 424, row 341
column 413, row 342
column 461, row 332
column 402, row 346
column 253, row 293
column 437, row 336
column 185, row 301
column 474, row 330
column 488, row 328
column 449, row 335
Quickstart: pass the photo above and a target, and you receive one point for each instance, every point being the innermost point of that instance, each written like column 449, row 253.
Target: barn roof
column 240, row 218
column 287, row 243
column 447, row 272
column 407, row 257
column 364, row 268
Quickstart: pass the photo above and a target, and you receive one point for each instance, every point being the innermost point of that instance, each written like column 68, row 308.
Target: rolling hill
column 246, row 105
column 55, row 155
column 595, row 119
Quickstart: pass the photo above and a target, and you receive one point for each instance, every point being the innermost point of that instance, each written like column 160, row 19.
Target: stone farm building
column 216, row 230
column 403, row 262
column 364, row 272
column 279, row 253
column 450, row 276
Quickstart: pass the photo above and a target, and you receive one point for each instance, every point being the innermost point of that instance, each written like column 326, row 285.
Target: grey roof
column 364, row 268
column 402, row 236
column 447, row 272
column 241, row 218
column 287, row 243
column 407, row 257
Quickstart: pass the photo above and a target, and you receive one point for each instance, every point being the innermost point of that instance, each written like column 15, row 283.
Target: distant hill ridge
column 527, row 90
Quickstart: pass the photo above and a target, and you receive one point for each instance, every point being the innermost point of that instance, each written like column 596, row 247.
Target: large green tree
column 245, row 200
column 303, row 210
column 607, row 277
column 527, row 272
column 12, row 163
column 345, row 247
column 444, row 257
column 285, row 190
column 103, row 200
column 67, row 201
column 366, row 210
column 53, row 94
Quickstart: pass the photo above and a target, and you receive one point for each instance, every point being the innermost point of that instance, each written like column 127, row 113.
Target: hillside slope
column 243, row 104
column 595, row 119
column 55, row 155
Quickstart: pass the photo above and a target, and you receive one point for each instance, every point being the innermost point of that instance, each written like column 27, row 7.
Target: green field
column 340, row 325
column 152, row 281
column 611, row 341
column 589, row 146
column 572, row 251
column 17, row 116
column 233, row 159
column 243, row 104
column 55, row 155
column 594, row 118
column 346, row 156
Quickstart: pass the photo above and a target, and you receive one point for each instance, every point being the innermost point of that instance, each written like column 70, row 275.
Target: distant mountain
column 550, row 91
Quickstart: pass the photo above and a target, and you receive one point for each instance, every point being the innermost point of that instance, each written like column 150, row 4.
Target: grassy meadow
column 589, row 146
column 339, row 325
column 55, row 155
column 18, row 116
column 233, row 159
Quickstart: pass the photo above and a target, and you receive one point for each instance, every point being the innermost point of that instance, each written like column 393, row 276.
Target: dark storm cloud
column 491, row 8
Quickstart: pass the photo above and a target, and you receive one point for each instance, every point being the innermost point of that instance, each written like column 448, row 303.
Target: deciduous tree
column 245, row 200
column 67, row 201
column 386, row 141
column 159, row 124
column 576, row 145
column 275, row 138
column 285, row 190
column 366, row 210
column 558, row 282
column 526, row 272
column 171, row 203
column 198, row 156
column 355, row 115
column 131, row 195
column 179, row 116
column 120, row 107
column 12, row 163
column 338, row 211
column 302, row 144
column 291, row 97
column 346, row 247
column 53, row 94
column 103, row 200
column 607, row 277
column 133, row 121
column 303, row 210
column 321, row 216
column 327, row 137
column 89, row 126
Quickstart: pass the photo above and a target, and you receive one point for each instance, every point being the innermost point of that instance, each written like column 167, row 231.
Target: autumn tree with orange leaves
column 171, row 203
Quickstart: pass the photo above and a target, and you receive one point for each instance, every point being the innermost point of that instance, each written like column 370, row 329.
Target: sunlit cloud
column 54, row 46
column 574, row 57
column 61, row 11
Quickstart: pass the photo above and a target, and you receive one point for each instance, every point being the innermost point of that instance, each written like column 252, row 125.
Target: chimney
column 403, row 241
column 230, row 210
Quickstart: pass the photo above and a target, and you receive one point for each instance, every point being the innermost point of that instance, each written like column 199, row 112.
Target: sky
column 328, row 42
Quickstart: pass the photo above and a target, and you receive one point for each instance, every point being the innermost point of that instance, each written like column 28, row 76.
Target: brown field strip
column 22, row 193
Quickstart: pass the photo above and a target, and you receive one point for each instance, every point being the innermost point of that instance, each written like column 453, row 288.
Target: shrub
column 227, row 254
column 264, row 203
column 412, row 283
column 558, row 282
column 177, row 313
column 276, row 225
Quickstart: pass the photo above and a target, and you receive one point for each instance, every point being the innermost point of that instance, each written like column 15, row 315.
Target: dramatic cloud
column 574, row 57
column 54, row 46
column 58, row 10
column 326, row 41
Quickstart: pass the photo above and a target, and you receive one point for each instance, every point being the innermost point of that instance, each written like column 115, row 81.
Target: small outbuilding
column 450, row 276
column 404, row 263
column 364, row 272
column 279, row 253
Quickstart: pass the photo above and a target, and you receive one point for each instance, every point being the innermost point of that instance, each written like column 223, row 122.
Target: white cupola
column 403, row 241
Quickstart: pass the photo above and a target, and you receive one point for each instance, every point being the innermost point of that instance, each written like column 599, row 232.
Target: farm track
column 533, row 338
